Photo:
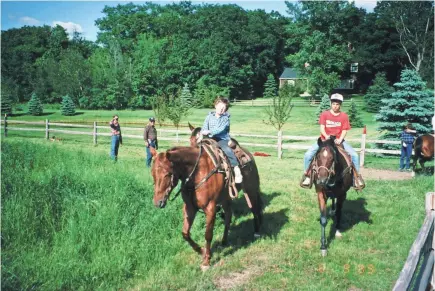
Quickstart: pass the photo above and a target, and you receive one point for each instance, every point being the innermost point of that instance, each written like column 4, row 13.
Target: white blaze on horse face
column 325, row 154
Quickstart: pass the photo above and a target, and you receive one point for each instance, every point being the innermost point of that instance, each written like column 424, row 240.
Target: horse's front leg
column 321, row 197
column 340, row 202
column 210, row 214
column 189, row 213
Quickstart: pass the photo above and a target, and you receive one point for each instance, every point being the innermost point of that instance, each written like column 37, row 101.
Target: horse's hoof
column 338, row 234
column 324, row 252
column 257, row 235
column 204, row 268
column 412, row 174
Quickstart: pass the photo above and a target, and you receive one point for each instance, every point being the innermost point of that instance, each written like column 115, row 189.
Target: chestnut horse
column 250, row 184
column 423, row 150
column 332, row 177
column 202, row 187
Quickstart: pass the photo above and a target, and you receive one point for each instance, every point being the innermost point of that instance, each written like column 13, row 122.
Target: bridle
column 331, row 170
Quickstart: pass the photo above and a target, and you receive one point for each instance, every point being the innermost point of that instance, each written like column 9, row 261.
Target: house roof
column 289, row 73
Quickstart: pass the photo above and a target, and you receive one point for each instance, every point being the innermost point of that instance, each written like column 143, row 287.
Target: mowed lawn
column 72, row 219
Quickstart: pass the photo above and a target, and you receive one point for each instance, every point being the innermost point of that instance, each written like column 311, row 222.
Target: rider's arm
column 343, row 135
column 223, row 125
column 323, row 132
column 205, row 124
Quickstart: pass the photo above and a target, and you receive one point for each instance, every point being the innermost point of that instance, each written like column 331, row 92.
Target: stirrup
column 304, row 185
column 358, row 183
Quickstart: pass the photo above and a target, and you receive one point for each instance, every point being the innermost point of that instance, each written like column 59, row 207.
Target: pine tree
column 354, row 117
column 411, row 102
column 270, row 87
column 186, row 96
column 67, row 106
column 35, row 105
column 378, row 91
column 325, row 104
column 6, row 104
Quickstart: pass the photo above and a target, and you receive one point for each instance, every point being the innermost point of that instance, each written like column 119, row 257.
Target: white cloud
column 368, row 5
column 26, row 20
column 70, row 27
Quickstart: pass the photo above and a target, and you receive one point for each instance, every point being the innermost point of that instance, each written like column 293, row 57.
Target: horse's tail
column 418, row 144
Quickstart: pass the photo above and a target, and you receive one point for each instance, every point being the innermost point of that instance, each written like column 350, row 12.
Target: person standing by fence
column 407, row 138
column 115, row 128
column 150, row 138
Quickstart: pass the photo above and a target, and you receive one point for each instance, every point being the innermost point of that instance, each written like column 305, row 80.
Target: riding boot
column 306, row 180
column 358, row 181
column 238, row 175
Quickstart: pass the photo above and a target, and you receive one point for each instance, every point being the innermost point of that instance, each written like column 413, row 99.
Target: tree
column 160, row 108
column 67, row 106
column 279, row 112
column 6, row 103
column 325, row 104
column 270, row 87
column 411, row 102
column 186, row 97
column 354, row 116
column 378, row 91
column 176, row 110
column 35, row 105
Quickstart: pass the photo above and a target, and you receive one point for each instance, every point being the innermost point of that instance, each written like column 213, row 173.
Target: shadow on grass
column 240, row 205
column 353, row 213
column 242, row 235
column 428, row 171
column 78, row 113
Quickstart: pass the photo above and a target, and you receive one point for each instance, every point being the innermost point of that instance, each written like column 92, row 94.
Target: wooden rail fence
column 94, row 131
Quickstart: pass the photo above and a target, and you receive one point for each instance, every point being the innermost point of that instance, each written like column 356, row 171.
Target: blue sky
column 81, row 15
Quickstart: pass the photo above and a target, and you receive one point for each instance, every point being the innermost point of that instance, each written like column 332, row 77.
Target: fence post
column 279, row 144
column 6, row 125
column 95, row 133
column 363, row 147
column 177, row 134
column 47, row 135
column 252, row 102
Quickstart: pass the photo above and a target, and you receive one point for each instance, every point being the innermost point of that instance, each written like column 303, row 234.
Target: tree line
column 145, row 54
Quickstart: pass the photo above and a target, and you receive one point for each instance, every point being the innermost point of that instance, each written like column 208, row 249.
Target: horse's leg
column 333, row 209
column 251, row 188
column 321, row 197
column 210, row 216
column 228, row 215
column 340, row 202
column 189, row 215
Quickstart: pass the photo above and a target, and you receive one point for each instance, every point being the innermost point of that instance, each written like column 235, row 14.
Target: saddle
column 222, row 163
column 349, row 167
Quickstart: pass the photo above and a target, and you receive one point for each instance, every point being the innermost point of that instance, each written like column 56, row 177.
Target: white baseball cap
column 337, row 97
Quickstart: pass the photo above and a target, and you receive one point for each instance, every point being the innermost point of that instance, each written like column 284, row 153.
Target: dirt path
column 374, row 174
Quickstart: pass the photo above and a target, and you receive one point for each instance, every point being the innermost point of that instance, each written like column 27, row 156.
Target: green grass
column 72, row 219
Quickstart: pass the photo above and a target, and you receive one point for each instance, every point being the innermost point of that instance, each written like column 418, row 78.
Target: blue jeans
column 148, row 151
column 229, row 152
column 313, row 150
column 405, row 154
column 114, row 147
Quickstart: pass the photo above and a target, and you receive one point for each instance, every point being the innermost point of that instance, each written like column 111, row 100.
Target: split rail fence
column 95, row 130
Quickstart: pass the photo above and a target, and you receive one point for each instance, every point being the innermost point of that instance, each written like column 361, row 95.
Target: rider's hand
column 205, row 132
column 327, row 137
column 338, row 141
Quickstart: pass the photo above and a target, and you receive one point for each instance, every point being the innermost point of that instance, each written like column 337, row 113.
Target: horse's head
column 196, row 136
column 165, row 180
column 324, row 165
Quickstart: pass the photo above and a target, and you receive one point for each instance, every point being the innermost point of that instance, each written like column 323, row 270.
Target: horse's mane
column 182, row 154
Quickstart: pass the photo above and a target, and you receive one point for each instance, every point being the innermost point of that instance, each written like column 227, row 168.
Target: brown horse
column 250, row 184
column 200, row 189
column 423, row 150
column 332, row 177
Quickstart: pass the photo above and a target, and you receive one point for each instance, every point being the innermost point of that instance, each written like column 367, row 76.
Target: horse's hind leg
column 228, row 215
column 189, row 215
column 256, row 205
column 210, row 217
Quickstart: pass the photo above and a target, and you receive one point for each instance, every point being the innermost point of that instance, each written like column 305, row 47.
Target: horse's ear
column 319, row 142
column 191, row 127
column 153, row 152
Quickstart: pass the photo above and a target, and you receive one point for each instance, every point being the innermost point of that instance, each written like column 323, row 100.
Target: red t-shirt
column 334, row 125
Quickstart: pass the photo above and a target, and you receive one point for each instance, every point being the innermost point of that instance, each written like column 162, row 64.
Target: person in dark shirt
column 115, row 129
column 150, row 139
column 407, row 138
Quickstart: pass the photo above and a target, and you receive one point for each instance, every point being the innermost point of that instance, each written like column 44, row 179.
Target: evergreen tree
column 67, row 106
column 35, row 105
column 6, row 104
column 378, row 91
column 354, row 117
column 325, row 104
column 411, row 102
column 270, row 87
column 186, row 97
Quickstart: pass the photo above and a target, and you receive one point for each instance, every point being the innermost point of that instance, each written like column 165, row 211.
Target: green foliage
column 378, row 91
column 325, row 104
column 6, row 104
column 35, row 105
column 176, row 110
column 67, row 107
column 270, row 87
column 411, row 102
column 354, row 115
column 279, row 112
column 205, row 94
column 160, row 108
column 186, row 96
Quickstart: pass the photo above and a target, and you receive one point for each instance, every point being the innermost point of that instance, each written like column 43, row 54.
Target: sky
column 80, row 16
